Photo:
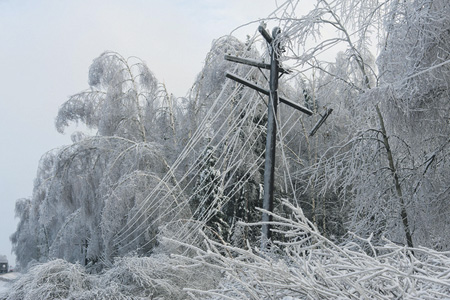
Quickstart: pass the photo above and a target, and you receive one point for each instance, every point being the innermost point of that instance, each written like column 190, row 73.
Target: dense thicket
column 183, row 176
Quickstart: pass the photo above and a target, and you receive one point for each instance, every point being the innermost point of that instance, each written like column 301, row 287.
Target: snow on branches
column 305, row 266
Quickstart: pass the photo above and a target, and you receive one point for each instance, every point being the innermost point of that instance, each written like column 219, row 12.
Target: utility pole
column 269, row 166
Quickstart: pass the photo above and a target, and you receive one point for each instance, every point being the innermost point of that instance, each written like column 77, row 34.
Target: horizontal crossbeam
column 266, row 92
column 253, row 63
column 321, row 121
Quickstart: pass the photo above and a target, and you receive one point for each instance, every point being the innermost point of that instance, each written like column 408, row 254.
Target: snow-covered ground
column 4, row 285
column 9, row 276
column 6, row 280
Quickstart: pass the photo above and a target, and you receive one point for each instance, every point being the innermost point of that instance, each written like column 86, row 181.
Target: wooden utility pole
column 269, row 166
column 275, row 70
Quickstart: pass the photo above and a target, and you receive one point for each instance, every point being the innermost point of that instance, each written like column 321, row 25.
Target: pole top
column 265, row 34
column 275, row 32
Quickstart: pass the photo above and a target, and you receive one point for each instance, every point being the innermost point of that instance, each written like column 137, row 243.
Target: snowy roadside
column 9, row 276
column 6, row 281
column 4, row 286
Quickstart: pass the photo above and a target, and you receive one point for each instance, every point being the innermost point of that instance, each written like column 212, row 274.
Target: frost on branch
column 122, row 93
column 155, row 277
column 309, row 266
column 305, row 266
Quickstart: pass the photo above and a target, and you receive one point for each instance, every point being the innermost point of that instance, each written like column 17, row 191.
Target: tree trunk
column 398, row 187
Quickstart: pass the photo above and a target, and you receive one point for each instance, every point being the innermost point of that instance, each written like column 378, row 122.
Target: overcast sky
column 46, row 48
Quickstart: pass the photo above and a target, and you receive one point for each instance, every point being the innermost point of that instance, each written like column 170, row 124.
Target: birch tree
column 85, row 191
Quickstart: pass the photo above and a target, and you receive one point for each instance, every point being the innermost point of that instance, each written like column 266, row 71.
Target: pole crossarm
column 321, row 121
column 275, row 48
column 253, row 63
column 267, row 93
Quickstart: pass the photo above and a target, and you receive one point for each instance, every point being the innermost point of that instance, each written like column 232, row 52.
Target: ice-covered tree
column 416, row 76
column 379, row 164
column 208, row 197
column 236, row 117
column 85, row 192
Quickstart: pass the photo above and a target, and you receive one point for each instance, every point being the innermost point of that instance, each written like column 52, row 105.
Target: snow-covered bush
column 56, row 279
column 156, row 277
column 305, row 266
column 309, row 266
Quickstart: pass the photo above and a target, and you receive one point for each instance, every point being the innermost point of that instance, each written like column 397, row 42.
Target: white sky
column 46, row 48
